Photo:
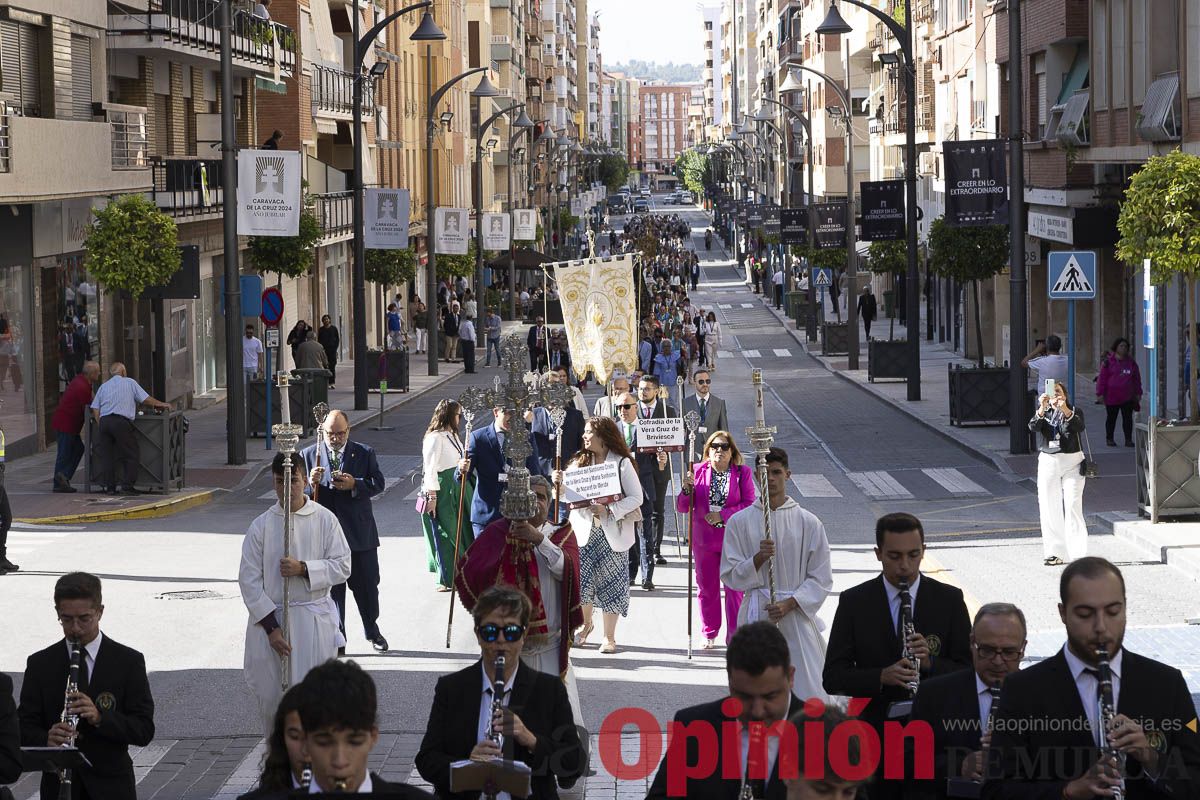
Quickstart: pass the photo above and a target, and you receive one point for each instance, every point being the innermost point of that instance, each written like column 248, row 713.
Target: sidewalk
column 28, row 480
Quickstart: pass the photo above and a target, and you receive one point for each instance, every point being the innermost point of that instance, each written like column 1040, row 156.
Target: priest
column 541, row 559
column 319, row 559
column 799, row 552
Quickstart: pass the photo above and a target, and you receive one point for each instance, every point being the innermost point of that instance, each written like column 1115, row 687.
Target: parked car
column 641, row 206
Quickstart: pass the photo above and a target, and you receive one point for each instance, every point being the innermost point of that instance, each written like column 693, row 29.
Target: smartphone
column 1050, row 388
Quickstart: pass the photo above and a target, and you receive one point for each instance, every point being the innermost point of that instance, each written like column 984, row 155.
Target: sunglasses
column 719, row 446
column 624, row 406
column 490, row 632
column 704, row 382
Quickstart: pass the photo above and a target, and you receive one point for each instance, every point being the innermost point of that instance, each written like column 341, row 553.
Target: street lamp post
column 811, row 320
column 520, row 125
column 427, row 31
column 835, row 25
column 483, row 89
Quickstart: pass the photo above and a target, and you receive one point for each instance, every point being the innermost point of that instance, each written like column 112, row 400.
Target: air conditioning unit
column 929, row 164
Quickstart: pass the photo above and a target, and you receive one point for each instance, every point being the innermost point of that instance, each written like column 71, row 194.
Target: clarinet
column 1107, row 712
column 64, row 775
column 907, row 629
column 497, row 699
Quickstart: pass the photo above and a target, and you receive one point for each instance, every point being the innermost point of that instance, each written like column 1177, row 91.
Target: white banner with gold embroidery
column 599, row 313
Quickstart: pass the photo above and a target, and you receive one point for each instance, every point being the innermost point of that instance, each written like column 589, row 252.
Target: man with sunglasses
column 709, row 407
column 652, row 406
column 533, row 719
column 648, row 465
column 958, row 706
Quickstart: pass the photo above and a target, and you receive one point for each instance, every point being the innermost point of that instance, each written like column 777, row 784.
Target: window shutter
column 20, row 76
column 81, row 77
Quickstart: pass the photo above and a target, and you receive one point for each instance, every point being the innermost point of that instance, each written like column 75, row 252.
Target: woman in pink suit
column 718, row 487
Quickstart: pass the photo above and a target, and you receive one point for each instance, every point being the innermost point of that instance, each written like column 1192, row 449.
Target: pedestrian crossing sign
column 1072, row 275
column 822, row 277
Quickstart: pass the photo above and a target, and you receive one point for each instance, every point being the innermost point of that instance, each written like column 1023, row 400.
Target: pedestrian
column 6, row 518
column 867, row 308
column 1059, row 479
column 446, row 538
column 310, row 354
column 1048, row 361
column 777, row 280
column 466, row 343
column 470, row 307
column 330, row 341
column 319, row 559
column 252, row 357
column 605, row 532
column 487, row 462
column 712, row 340
column 276, row 136
column 66, row 350
column 419, row 322
column 67, row 423
column 296, row 337
column 112, row 700
column 451, row 320
column 710, row 408
column 1119, row 386
column 491, row 327
column 537, row 340
column 714, row 490
column 656, row 477
column 114, row 407
column 343, row 476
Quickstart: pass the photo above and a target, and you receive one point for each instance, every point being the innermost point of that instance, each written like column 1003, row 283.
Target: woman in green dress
column 441, row 450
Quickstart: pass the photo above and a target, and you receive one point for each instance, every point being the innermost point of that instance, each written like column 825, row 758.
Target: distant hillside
column 671, row 73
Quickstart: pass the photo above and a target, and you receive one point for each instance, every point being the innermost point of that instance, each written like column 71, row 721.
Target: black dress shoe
column 659, row 560
column 341, row 652
column 130, row 491
column 7, row 566
column 64, row 488
column 648, row 586
column 379, row 643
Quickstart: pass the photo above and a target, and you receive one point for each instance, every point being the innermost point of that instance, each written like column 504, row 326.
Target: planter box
column 835, row 339
column 978, row 395
column 1172, row 471
column 397, row 370
column 162, row 445
column 300, row 401
column 887, row 359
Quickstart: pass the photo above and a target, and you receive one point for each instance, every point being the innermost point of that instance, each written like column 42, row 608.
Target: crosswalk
column 777, row 352
column 24, row 539
column 893, row 484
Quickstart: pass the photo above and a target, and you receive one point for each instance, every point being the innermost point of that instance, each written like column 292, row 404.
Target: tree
column 449, row 266
column 391, row 267
column 831, row 258
column 968, row 255
column 1160, row 221
column 287, row 255
column 132, row 245
column 693, row 167
column 614, row 171
column 888, row 258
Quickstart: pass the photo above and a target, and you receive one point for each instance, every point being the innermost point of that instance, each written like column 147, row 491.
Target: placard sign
column 587, row 485
column 660, row 435
column 976, row 182
column 794, row 225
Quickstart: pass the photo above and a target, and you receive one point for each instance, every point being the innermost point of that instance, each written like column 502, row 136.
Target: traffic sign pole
column 1071, row 352
column 267, row 380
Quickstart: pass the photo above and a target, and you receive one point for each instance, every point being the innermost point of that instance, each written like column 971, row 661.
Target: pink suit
column 707, row 541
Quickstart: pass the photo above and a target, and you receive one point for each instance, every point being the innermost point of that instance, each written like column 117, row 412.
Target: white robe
column 802, row 572
column 317, row 540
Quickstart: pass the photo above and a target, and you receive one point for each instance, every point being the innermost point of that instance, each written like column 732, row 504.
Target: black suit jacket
column 1033, row 759
column 352, row 506
column 862, row 641
column 379, row 788
column 10, row 733
column 121, row 691
column 542, row 431
column 535, row 352
column 950, row 705
column 540, row 700
column 712, row 787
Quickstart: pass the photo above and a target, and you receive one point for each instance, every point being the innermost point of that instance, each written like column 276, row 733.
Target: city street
column 171, row 589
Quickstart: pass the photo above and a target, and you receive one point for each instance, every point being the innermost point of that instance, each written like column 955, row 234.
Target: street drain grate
column 190, row 594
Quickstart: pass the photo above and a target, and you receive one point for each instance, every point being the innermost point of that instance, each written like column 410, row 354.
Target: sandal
column 709, row 644
column 608, row 647
column 1054, row 561
column 583, row 634
column 441, row 588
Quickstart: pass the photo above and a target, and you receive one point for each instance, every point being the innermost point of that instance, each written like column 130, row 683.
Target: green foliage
column 566, row 221
column 457, row 266
column 833, row 258
column 539, row 236
column 391, row 267
column 968, row 253
column 132, row 246
column 287, row 255
column 887, row 258
column 694, row 169
column 650, row 70
column 614, row 171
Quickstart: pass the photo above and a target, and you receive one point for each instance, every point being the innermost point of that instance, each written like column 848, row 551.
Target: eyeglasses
column 82, row 619
column 987, row 652
column 337, row 434
column 720, row 446
column 705, row 383
column 490, row 632
column 624, row 406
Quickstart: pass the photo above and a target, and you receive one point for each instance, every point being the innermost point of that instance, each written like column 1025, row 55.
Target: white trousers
column 1060, row 505
column 421, row 339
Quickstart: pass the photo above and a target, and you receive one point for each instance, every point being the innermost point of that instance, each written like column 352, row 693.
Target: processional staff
column 473, row 401
column 287, row 436
column 761, row 439
column 320, row 411
column 692, row 421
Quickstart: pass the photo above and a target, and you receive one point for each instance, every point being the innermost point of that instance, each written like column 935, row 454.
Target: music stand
column 52, row 759
column 963, row 787
column 494, row 776
column 900, row 709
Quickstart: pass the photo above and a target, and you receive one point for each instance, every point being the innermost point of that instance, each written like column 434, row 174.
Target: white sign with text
column 586, row 485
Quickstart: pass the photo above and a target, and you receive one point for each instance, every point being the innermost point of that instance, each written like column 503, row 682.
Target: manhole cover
column 191, row 594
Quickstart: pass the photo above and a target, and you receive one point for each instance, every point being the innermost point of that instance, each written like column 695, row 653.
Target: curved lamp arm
column 437, row 96
column 795, row 114
column 837, row 87
column 898, row 30
column 360, row 47
column 488, row 122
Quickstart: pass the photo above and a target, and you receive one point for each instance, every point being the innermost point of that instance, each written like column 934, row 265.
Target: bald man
column 344, row 476
column 114, row 408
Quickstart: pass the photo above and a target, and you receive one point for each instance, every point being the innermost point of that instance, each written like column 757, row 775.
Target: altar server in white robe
column 803, row 577
column 319, row 560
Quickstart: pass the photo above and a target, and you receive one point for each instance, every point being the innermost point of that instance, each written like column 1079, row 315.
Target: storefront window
column 78, row 318
column 17, row 416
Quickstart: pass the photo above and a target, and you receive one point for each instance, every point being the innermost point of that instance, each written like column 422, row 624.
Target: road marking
column 814, row 485
column 23, row 542
column 747, row 305
column 724, row 354
column 724, row 305
column 878, row 484
column 955, row 482
column 783, row 352
column 751, row 354
column 388, row 483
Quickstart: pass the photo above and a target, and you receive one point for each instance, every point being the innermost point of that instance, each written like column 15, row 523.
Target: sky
column 650, row 30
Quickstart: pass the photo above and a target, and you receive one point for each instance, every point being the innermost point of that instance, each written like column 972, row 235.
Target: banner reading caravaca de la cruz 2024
column 976, row 182
column 268, row 198
column 385, row 219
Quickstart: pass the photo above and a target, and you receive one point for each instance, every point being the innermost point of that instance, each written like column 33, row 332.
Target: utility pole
column 235, row 382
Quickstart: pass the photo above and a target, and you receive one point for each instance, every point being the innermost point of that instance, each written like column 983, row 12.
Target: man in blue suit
column 343, row 476
column 487, row 463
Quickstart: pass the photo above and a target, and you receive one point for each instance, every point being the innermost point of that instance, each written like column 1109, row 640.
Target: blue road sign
column 1072, row 275
column 822, row 277
column 252, row 287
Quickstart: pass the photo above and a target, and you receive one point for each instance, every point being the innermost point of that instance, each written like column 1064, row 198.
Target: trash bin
column 162, row 446
column 396, row 370
column 299, row 401
column 889, row 303
column 318, row 383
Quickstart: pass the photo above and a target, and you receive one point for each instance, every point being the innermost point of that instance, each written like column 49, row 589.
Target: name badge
column 1053, row 445
column 502, row 477
column 553, row 436
column 702, row 429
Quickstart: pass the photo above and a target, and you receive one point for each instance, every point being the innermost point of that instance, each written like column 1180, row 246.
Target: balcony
column 190, row 28
column 187, row 187
column 335, row 212
column 333, row 93
column 49, row 159
column 502, row 49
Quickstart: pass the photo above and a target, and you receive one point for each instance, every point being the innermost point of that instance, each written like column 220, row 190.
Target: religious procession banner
column 599, row 313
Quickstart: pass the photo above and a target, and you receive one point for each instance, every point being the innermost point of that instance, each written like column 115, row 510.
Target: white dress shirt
column 1088, row 687
column 984, row 693
column 89, row 653
column 363, row 788
column 772, row 747
column 893, row 596
column 484, row 730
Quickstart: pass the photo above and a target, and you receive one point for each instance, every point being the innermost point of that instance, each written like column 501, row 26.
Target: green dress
column 440, row 529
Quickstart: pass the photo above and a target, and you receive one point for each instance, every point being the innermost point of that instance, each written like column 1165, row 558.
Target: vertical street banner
column 830, row 230
column 771, row 221
column 451, row 231
column 599, row 313
column 882, row 211
column 754, row 216
column 793, row 225
column 525, row 225
column 976, row 182
column 496, row 230
column 385, row 219
column 576, row 207
column 268, row 195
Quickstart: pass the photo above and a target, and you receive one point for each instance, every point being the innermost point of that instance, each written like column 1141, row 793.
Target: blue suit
column 487, row 464
column 353, row 510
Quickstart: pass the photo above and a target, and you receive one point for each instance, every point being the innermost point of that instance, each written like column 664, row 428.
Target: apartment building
column 714, row 105
column 664, row 123
column 596, row 127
